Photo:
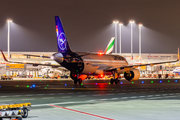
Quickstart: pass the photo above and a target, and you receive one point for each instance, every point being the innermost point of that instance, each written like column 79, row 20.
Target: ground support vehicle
column 159, row 76
column 172, row 75
column 5, row 77
column 155, row 75
column 14, row 111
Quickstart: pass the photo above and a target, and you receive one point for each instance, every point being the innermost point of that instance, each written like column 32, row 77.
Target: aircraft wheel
column 75, row 81
column 25, row 113
column 80, row 81
column 116, row 81
column 112, row 81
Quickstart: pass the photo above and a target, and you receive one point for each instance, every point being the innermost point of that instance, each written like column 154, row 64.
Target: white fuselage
column 95, row 63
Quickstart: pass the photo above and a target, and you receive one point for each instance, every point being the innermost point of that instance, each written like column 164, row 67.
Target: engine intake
column 133, row 75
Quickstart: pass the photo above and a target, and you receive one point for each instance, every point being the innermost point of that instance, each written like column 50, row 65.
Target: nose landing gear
column 76, row 78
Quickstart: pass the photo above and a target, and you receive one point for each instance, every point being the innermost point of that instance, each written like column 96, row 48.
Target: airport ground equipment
column 14, row 111
column 5, row 77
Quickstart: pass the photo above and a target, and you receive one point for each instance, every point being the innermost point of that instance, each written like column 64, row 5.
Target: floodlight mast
column 115, row 23
column 140, row 27
column 8, row 37
column 120, row 25
column 131, row 22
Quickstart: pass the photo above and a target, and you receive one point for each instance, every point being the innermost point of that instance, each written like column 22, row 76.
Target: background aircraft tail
column 110, row 46
column 62, row 42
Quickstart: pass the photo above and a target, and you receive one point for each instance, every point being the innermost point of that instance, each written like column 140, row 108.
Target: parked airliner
column 81, row 65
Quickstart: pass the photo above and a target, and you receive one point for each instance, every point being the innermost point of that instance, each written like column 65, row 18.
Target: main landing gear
column 77, row 81
column 115, row 78
column 75, row 78
column 116, row 81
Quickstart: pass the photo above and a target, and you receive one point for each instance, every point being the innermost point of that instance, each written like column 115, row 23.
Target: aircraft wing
column 32, row 63
column 42, row 56
column 135, row 66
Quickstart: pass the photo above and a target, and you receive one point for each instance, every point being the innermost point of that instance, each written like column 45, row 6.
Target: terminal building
column 26, row 70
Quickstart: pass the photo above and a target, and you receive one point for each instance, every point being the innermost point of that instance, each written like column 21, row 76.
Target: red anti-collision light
column 100, row 53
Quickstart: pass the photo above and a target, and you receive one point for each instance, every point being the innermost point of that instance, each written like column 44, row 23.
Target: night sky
column 88, row 24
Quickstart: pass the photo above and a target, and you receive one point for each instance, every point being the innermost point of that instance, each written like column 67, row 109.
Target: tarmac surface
column 145, row 99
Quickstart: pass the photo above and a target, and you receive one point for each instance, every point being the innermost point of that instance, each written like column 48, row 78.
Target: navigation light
column 100, row 53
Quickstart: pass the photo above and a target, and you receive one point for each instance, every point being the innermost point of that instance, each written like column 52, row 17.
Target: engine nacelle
column 133, row 75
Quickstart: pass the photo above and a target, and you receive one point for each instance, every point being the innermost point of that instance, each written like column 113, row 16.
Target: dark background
column 88, row 24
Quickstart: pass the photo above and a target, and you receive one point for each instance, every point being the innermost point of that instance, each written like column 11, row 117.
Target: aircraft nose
column 58, row 57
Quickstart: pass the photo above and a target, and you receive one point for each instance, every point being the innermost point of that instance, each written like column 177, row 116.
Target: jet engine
column 132, row 75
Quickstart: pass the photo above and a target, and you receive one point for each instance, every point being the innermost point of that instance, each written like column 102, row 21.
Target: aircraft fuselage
column 89, row 63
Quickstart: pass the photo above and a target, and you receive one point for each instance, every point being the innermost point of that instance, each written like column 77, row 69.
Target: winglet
column 178, row 55
column 4, row 56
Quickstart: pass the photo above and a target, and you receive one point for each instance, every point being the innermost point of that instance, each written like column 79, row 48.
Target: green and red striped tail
column 110, row 46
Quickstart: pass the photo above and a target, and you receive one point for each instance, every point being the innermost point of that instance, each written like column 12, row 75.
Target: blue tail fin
column 61, row 37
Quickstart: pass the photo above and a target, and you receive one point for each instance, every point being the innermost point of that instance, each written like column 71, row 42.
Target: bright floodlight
column 115, row 21
column 120, row 24
column 140, row 25
column 9, row 20
column 131, row 21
